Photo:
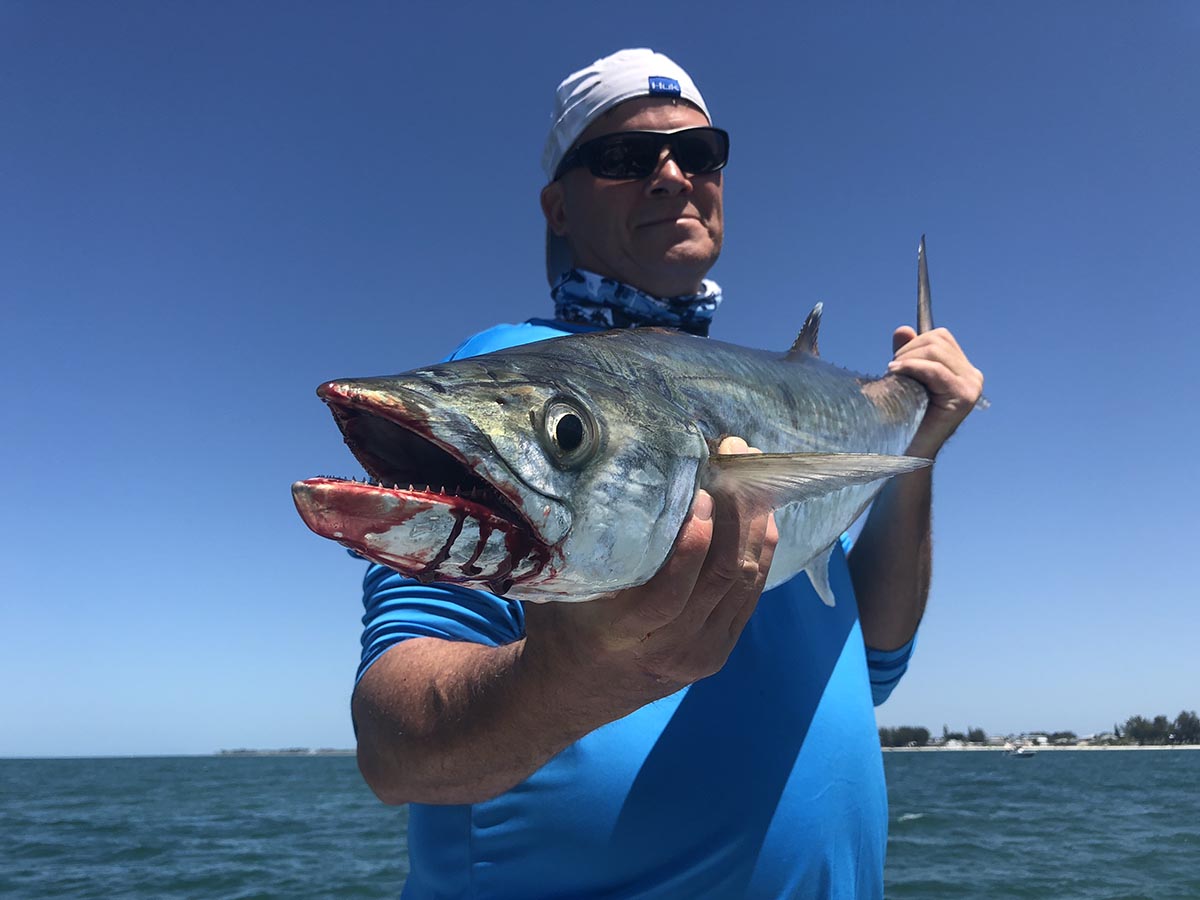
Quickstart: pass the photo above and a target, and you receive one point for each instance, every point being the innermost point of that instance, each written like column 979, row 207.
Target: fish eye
column 569, row 432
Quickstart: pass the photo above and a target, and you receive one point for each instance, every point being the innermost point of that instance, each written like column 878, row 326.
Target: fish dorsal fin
column 766, row 481
column 806, row 341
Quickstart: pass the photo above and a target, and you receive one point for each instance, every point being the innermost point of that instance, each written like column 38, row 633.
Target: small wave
column 911, row 817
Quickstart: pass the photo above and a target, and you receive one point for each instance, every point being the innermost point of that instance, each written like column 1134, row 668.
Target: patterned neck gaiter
column 582, row 296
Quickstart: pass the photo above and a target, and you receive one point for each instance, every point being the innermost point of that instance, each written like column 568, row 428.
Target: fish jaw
column 483, row 528
column 423, row 533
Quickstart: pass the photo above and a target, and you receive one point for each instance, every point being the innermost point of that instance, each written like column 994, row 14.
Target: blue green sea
column 1064, row 824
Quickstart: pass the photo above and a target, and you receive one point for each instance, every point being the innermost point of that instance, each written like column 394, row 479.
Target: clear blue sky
column 208, row 209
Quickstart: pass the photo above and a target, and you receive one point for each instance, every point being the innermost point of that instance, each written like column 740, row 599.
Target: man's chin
column 689, row 254
column 676, row 271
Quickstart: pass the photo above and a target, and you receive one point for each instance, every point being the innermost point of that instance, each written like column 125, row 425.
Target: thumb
column 902, row 336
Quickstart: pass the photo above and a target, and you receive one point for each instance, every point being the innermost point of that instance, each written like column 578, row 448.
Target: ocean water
column 224, row 828
column 1093, row 825
column 1088, row 825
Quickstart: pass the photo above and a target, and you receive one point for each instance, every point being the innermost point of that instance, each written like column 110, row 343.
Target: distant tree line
column 904, row 736
column 1185, row 729
column 916, row 736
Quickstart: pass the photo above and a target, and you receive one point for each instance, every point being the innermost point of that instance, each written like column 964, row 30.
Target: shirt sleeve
column 396, row 608
column 885, row 669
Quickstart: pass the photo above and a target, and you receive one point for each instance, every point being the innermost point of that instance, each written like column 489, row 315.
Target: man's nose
column 668, row 178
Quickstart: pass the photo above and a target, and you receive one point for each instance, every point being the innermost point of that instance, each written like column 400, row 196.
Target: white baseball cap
column 585, row 95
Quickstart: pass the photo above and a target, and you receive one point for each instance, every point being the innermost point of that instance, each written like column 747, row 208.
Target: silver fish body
column 563, row 470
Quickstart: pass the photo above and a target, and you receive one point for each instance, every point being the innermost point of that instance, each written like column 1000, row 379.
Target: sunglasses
column 629, row 155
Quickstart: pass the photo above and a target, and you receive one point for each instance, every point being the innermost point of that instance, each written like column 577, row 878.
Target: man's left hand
column 955, row 386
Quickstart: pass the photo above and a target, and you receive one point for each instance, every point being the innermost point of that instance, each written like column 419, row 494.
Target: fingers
column 948, row 386
column 939, row 341
column 937, row 361
column 902, row 336
column 737, row 534
column 738, row 561
column 730, row 616
column 664, row 597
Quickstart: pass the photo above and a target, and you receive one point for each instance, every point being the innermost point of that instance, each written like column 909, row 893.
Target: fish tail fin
column 924, row 302
column 925, row 306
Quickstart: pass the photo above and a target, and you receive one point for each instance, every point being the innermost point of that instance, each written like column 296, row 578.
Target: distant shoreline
column 298, row 751
column 1040, row 749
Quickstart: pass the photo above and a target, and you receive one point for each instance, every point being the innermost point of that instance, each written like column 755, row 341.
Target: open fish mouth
column 425, row 510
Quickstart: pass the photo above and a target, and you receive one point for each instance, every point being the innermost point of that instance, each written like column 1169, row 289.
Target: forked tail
column 925, row 306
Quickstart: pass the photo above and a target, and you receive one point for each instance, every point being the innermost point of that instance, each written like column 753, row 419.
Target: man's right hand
column 619, row 652
column 454, row 722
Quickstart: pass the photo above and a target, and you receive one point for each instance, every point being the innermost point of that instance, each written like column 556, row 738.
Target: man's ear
column 554, row 208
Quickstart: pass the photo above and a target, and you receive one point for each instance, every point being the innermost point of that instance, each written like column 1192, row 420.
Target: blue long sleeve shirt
column 763, row 780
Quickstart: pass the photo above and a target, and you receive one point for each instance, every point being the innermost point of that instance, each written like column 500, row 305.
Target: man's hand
column 622, row 651
column 955, row 386
column 457, row 722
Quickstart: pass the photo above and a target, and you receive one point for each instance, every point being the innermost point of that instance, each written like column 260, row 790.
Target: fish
column 564, row 470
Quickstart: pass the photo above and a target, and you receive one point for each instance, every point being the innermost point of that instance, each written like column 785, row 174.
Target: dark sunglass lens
column 626, row 156
column 700, row 152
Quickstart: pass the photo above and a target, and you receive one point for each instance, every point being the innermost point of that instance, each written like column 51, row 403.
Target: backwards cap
column 585, row 95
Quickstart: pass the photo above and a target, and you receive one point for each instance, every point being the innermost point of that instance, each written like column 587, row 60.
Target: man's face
column 661, row 233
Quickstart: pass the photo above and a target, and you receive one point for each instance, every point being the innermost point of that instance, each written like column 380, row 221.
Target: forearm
column 891, row 562
column 455, row 722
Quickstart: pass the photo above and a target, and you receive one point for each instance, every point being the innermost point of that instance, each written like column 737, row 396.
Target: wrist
column 588, row 679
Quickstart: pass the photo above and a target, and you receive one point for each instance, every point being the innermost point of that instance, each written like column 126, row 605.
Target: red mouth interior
column 402, row 459
column 415, row 478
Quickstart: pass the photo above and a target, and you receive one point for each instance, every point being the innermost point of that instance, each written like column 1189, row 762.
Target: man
column 686, row 738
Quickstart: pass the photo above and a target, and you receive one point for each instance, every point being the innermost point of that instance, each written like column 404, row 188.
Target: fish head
column 542, row 484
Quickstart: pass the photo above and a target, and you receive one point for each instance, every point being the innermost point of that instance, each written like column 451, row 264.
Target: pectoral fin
column 771, row 480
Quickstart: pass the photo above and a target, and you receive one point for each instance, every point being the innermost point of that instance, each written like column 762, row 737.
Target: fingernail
column 894, row 364
column 702, row 506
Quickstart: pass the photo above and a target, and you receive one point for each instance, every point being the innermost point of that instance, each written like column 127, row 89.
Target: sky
column 208, row 209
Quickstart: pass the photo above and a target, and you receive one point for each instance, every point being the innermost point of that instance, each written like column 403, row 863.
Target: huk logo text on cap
column 660, row 85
